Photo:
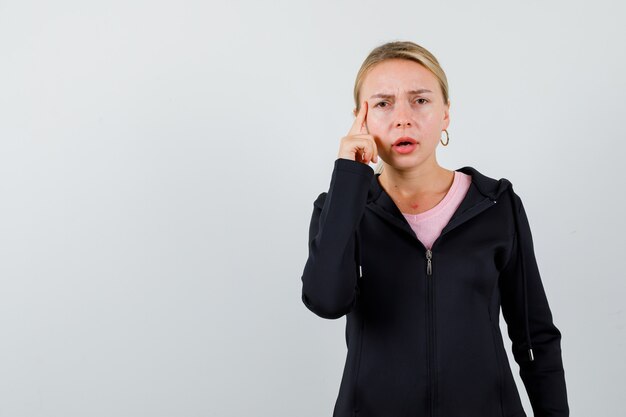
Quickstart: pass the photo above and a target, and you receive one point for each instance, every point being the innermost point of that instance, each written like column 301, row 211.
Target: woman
column 421, row 258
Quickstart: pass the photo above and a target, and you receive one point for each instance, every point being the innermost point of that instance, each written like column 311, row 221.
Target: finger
column 359, row 153
column 367, row 154
column 365, row 109
column 375, row 157
column 364, row 157
column 372, row 149
column 371, row 140
column 366, row 145
column 357, row 125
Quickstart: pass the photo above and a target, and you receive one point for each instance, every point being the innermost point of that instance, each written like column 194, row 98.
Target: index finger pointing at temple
column 359, row 123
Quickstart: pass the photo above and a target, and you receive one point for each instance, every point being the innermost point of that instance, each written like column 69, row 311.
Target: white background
column 159, row 162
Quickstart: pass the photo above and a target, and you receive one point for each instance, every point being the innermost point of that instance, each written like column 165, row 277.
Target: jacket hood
column 490, row 188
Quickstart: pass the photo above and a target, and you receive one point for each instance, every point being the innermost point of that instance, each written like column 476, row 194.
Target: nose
column 403, row 122
column 403, row 116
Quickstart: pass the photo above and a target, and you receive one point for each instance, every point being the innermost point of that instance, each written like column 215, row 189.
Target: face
column 404, row 101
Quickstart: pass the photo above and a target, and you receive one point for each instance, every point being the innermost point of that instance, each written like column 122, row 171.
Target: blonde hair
column 400, row 50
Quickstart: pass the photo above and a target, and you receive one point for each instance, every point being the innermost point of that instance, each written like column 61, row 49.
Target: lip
column 404, row 139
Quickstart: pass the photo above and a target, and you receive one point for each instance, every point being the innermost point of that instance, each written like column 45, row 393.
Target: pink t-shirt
column 429, row 224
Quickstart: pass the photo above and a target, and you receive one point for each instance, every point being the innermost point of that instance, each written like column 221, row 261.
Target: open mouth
column 405, row 145
column 405, row 141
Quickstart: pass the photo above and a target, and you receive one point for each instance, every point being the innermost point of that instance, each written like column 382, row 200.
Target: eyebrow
column 383, row 95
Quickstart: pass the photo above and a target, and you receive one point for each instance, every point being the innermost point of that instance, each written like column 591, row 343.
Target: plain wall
column 159, row 162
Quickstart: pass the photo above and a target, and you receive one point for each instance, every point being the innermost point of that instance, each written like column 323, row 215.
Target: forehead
column 398, row 75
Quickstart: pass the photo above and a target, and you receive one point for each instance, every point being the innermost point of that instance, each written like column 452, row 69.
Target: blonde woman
column 420, row 259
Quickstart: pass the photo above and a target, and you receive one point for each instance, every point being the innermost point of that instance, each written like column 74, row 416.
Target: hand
column 359, row 145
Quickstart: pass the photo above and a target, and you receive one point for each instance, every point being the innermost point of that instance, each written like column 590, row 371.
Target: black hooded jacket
column 422, row 326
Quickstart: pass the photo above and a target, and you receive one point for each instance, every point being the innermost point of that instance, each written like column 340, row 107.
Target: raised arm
column 329, row 280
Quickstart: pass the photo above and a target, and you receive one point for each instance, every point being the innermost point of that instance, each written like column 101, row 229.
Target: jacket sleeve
column 329, row 280
column 530, row 326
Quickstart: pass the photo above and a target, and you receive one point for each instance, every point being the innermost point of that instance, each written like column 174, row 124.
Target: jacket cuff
column 342, row 164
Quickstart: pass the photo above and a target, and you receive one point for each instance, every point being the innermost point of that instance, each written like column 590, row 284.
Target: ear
column 446, row 116
column 354, row 112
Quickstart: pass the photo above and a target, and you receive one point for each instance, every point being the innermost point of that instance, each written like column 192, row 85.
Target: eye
column 425, row 100
column 381, row 104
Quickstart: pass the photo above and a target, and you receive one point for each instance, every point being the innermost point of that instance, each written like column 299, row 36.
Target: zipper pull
column 429, row 268
column 360, row 272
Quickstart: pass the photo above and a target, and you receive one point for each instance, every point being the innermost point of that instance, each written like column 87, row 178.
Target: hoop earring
column 447, row 138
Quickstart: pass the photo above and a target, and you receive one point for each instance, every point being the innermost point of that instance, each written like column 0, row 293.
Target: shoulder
column 319, row 201
column 488, row 185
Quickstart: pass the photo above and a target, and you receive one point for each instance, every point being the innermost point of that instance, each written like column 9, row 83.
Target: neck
column 424, row 179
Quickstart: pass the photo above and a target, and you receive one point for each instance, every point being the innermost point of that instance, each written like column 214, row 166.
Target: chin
column 405, row 163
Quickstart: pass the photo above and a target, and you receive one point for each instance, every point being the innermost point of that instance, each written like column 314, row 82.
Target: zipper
column 430, row 283
column 430, row 301
column 432, row 371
